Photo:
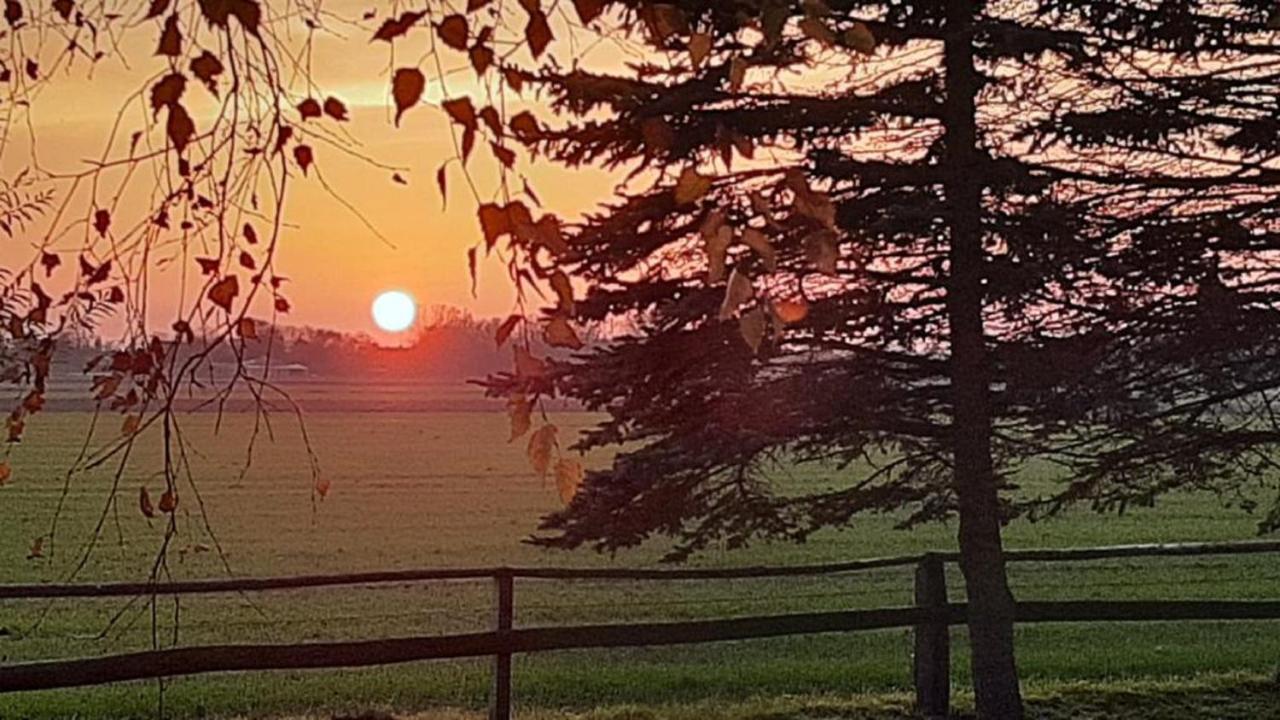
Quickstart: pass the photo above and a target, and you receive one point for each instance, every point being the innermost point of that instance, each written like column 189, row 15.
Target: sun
column 394, row 311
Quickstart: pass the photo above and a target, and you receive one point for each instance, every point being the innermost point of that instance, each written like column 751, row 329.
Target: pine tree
column 944, row 239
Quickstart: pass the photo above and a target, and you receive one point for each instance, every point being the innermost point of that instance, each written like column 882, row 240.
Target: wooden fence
column 931, row 617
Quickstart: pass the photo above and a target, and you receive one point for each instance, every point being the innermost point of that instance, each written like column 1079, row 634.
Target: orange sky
column 336, row 265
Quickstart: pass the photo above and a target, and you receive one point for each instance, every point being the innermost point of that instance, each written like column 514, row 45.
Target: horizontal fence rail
column 930, row 617
column 37, row 591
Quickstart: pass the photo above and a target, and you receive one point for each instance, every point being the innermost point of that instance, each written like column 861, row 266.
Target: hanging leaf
column 860, row 38
column 737, row 73
column 538, row 33
column 248, row 328
column 180, row 127
column 507, row 327
column 453, row 32
column 520, row 411
column 739, row 291
column 717, row 247
column 407, row 87
column 144, row 503
column 393, row 28
column 310, row 109
column 757, row 241
column 168, row 502
column 691, row 187
column 482, row 58
column 494, row 222
column 564, row 291
column 102, row 221
column 37, row 549
column 541, row 445
column 752, row 325
column 559, row 333
column 50, row 262
column 304, row 156
column 699, row 49
column 822, row 253
column 130, row 425
column 167, row 91
column 569, row 477
column 336, row 109
column 588, row 10
column 322, row 487
column 224, row 292
column 207, row 67
column 170, row 38
column 6, row 472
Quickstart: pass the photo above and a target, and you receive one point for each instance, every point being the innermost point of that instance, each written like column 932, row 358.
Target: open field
column 415, row 485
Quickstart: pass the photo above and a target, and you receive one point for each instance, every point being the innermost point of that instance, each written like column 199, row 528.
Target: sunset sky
column 335, row 263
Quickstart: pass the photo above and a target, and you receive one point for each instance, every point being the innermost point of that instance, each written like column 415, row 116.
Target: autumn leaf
column 248, row 328
column 691, row 187
column 224, row 292
column 170, row 38
column 102, row 221
column 739, row 291
column 559, row 333
column 335, row 108
column 737, row 73
column 699, row 49
column 822, row 253
column 757, row 241
column 144, row 503
column 569, row 477
column 541, row 445
column 310, row 109
column 304, row 156
column 130, row 425
column 167, row 91
column 50, row 262
column 520, row 411
column 407, row 86
column 790, row 312
column 507, row 327
column 528, row 366
column 37, row 549
column 393, row 28
column 860, row 38
column 588, row 10
column 453, row 32
column 494, row 222
column 563, row 290
column 482, row 58
column 752, row 325
column 322, row 487
column 538, row 33
column 180, row 127
column 168, row 502
column 207, row 67
column 6, row 472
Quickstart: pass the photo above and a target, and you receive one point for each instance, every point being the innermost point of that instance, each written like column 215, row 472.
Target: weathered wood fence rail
column 931, row 617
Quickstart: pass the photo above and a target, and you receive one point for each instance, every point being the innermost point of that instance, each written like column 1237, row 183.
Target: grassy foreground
column 1208, row 697
column 429, row 488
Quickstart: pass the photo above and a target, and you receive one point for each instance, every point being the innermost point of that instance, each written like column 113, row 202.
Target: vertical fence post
column 500, row 698
column 932, row 641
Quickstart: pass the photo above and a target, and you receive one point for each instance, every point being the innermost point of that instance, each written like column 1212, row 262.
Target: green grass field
column 415, row 486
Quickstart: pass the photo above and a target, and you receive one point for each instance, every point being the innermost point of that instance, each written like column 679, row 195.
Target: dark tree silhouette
column 946, row 238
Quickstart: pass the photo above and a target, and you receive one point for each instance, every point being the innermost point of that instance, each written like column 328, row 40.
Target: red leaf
column 50, row 261
column 207, row 67
column 589, row 10
column 538, row 33
column 310, row 108
column 393, row 28
column 170, row 38
column 167, row 91
column 282, row 305
column 247, row 261
column 208, row 266
column 407, row 87
column 305, row 157
column 180, row 127
column 334, row 108
column 250, row 235
column 224, row 292
column 102, row 221
column 453, row 32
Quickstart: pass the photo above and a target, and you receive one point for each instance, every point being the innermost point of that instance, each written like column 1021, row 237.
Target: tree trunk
column 995, row 675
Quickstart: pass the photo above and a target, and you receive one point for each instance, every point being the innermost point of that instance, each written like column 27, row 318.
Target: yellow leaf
column 6, row 472
column 757, row 241
column 569, row 477
column 520, row 410
column 559, row 333
column 691, row 187
column 541, row 444
column 717, row 246
column 822, row 253
column 752, row 326
column 699, row 49
column 739, row 291
column 860, row 38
